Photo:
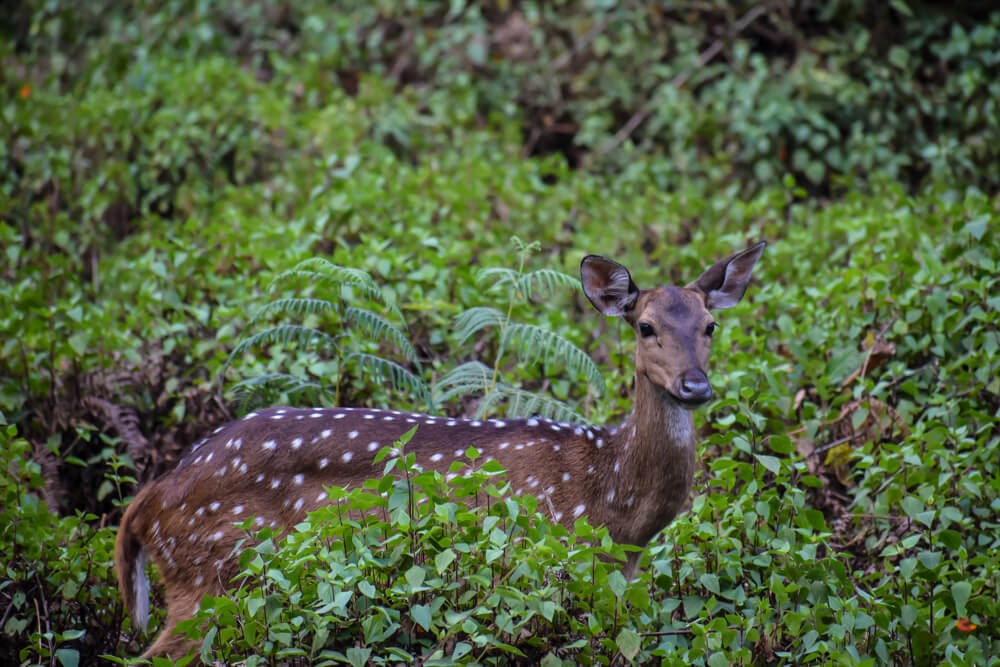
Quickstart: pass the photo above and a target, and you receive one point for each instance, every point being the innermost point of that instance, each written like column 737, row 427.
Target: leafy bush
column 162, row 164
column 58, row 601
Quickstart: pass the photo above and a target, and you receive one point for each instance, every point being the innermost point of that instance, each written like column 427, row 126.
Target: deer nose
column 694, row 387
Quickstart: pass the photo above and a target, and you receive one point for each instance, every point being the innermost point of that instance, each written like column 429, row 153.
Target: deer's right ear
column 608, row 285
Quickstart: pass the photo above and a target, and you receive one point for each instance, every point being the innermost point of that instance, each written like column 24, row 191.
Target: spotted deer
column 273, row 464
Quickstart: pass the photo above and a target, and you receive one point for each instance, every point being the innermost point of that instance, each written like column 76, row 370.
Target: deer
column 272, row 465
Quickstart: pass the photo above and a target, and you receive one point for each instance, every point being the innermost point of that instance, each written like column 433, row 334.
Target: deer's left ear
column 724, row 283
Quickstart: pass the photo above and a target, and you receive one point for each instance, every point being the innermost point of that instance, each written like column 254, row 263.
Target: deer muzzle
column 693, row 388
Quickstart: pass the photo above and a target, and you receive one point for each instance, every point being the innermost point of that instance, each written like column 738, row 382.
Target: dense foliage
column 173, row 175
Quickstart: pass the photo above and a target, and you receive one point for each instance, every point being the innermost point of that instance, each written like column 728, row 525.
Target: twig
column 567, row 57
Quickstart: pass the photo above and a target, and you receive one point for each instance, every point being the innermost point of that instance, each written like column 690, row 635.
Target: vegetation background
column 162, row 163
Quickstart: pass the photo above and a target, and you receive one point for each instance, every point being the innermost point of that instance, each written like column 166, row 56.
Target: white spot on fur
column 298, row 479
column 323, row 463
column 238, row 509
column 347, row 456
column 215, row 506
column 250, row 415
column 372, row 446
column 578, row 510
column 352, row 435
column 566, row 476
column 503, row 445
column 532, row 422
column 269, row 444
column 275, row 483
column 299, row 503
column 437, row 457
column 296, row 443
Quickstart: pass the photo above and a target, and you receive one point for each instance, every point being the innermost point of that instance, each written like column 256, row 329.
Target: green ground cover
column 163, row 166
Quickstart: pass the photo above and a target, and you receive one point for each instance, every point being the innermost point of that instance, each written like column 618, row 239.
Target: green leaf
column 710, row 582
column 960, row 591
column 444, row 559
column 358, row 657
column 415, row 576
column 422, row 616
column 68, row 657
column 617, row 583
column 772, row 463
column 907, row 615
column 629, row 643
column 976, row 228
column 366, row 589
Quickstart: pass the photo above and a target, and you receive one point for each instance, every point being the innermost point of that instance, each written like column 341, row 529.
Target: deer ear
column 724, row 283
column 608, row 285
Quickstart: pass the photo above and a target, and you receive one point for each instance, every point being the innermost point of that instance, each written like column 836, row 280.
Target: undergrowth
column 163, row 164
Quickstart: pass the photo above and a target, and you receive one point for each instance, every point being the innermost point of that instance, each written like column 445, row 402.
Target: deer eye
column 710, row 329
column 645, row 330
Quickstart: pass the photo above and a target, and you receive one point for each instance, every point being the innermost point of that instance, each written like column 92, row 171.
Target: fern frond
column 535, row 343
column 284, row 334
column 378, row 328
column 330, row 272
column 471, row 321
column 498, row 276
column 523, row 403
column 297, row 306
column 472, row 377
column 320, row 271
column 547, row 280
column 381, row 369
column 260, row 390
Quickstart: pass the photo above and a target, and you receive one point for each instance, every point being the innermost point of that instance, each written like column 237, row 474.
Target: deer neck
column 649, row 476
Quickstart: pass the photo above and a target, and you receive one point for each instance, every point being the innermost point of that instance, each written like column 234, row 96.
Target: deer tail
column 130, row 564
